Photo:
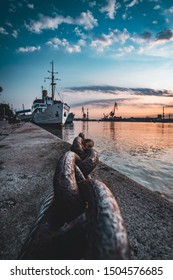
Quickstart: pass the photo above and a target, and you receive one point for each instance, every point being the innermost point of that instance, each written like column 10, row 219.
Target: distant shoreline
column 153, row 120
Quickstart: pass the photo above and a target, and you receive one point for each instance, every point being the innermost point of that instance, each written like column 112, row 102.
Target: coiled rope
column 79, row 218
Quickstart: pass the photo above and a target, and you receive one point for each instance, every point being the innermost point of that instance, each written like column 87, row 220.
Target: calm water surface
column 142, row 151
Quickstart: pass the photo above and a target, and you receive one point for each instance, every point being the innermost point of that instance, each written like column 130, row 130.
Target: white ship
column 48, row 110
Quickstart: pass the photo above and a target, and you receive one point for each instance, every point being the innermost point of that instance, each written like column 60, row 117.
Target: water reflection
column 113, row 130
column 142, row 151
column 85, row 127
column 146, row 151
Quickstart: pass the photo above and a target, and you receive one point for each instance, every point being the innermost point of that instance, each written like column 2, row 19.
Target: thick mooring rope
column 80, row 218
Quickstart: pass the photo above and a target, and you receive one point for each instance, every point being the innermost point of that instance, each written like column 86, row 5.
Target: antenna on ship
column 52, row 78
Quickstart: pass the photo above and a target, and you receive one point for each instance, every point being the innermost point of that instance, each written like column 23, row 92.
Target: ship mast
column 52, row 78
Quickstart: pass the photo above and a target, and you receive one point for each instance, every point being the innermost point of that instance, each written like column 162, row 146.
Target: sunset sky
column 104, row 51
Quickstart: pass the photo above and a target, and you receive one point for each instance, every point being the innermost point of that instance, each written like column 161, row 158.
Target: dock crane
column 85, row 115
column 112, row 113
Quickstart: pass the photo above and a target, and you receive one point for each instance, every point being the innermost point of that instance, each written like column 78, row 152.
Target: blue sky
column 104, row 51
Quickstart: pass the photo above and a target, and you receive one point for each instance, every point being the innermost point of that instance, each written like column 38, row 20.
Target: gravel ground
column 27, row 164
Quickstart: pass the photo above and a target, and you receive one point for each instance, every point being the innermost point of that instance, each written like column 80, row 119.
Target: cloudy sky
column 104, row 51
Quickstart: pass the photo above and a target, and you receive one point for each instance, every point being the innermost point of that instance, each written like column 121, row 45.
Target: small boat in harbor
column 70, row 118
column 48, row 110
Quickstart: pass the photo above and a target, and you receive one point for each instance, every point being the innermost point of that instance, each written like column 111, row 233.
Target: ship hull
column 55, row 114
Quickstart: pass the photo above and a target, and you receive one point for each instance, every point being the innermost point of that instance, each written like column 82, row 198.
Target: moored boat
column 48, row 110
column 70, row 118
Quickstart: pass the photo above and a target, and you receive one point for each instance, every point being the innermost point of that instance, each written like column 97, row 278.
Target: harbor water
column 139, row 150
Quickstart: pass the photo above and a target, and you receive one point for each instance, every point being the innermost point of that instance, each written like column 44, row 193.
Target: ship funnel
column 44, row 93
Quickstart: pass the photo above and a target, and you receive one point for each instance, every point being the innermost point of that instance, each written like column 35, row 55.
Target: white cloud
column 125, row 50
column 157, row 49
column 160, row 46
column 30, row 6
column 3, row 31
column 86, row 20
column 70, row 48
column 143, row 38
column 9, row 24
column 157, row 7
column 141, row 50
column 79, row 33
column 15, row 33
column 27, row 49
column 147, row 41
column 55, row 42
column 119, row 36
column 12, row 8
column 111, row 8
column 103, row 41
column 132, row 3
column 170, row 10
column 82, row 42
column 46, row 22
column 124, row 16
column 92, row 4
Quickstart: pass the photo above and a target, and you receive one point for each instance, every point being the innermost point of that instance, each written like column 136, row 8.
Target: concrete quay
column 28, row 157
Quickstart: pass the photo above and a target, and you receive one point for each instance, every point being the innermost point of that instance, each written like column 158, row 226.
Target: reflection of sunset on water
column 142, row 151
